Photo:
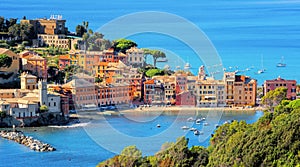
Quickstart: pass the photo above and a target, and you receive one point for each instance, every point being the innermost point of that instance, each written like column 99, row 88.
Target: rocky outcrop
column 44, row 119
column 30, row 142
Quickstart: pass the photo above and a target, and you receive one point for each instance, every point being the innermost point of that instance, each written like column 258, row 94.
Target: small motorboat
column 185, row 128
column 192, row 129
column 199, row 120
column 191, row 119
column 158, row 125
column 205, row 124
column 197, row 132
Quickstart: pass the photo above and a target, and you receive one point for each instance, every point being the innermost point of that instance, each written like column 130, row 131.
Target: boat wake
column 73, row 125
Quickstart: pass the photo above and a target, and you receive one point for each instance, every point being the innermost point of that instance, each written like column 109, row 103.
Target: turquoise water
column 242, row 31
column 85, row 146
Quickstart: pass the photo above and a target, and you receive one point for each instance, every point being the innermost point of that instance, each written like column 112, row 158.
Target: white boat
column 191, row 119
column 197, row 132
column 185, row 128
column 198, row 121
column 158, row 125
column 281, row 63
column 162, row 60
column 262, row 70
column 205, row 124
column 192, row 129
column 187, row 66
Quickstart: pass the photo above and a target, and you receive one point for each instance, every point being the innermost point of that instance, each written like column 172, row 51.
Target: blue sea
column 246, row 34
column 93, row 141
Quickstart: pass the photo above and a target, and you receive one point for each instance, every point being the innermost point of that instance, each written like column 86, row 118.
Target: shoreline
column 92, row 115
column 188, row 109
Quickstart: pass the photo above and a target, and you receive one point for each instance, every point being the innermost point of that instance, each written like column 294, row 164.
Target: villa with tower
column 25, row 102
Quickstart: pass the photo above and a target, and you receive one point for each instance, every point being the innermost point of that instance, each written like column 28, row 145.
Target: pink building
column 185, row 99
column 279, row 82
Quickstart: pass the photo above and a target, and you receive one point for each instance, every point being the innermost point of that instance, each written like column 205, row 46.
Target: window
column 54, row 104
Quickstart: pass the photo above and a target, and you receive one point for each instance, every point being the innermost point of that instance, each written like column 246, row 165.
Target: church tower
column 201, row 73
column 43, row 98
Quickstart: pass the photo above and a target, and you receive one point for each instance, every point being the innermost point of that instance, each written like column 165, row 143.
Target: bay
column 100, row 139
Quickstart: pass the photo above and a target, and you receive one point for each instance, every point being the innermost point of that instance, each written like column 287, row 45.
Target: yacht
column 262, row 70
column 162, row 60
column 185, row 128
column 281, row 63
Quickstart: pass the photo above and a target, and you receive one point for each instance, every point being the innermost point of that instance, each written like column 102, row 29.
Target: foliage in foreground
column 272, row 141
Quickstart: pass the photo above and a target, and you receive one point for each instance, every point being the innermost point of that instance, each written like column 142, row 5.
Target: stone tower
column 43, row 98
column 201, row 73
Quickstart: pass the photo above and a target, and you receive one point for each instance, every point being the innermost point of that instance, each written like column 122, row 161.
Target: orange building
column 34, row 63
column 244, row 91
column 52, row 26
column 109, row 55
column 83, row 92
column 64, row 61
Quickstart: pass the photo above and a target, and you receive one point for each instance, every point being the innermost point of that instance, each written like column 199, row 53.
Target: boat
column 205, row 124
column 262, row 70
column 199, row 120
column 187, row 66
column 192, row 129
column 191, row 119
column 185, row 128
column 162, row 60
column 281, row 63
column 158, row 125
column 197, row 132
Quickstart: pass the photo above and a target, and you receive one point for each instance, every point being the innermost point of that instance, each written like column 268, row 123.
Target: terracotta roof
column 151, row 81
column 64, row 57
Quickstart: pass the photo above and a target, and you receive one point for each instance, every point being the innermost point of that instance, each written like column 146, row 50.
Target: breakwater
column 27, row 141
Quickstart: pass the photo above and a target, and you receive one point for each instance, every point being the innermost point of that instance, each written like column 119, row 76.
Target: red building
column 279, row 82
column 185, row 99
column 110, row 55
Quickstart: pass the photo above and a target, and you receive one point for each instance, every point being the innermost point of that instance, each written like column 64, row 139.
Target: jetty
column 27, row 141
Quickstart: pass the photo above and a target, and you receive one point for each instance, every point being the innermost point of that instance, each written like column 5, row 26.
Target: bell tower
column 43, row 98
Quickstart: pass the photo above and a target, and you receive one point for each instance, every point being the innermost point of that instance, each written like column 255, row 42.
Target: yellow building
column 59, row 41
column 33, row 62
column 28, row 81
column 15, row 65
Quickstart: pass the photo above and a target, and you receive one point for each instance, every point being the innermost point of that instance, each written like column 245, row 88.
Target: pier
column 27, row 141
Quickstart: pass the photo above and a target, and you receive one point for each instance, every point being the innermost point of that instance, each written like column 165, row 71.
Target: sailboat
column 281, row 63
column 262, row 70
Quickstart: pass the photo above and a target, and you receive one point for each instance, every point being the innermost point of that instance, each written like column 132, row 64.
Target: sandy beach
column 99, row 115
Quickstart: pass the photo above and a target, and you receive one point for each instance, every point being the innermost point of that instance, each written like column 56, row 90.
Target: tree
column 5, row 61
column 274, row 97
column 121, row 45
column 80, row 30
column 43, row 108
column 98, row 80
column 156, row 54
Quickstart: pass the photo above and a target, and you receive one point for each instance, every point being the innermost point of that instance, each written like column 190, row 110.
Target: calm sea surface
column 100, row 139
column 245, row 33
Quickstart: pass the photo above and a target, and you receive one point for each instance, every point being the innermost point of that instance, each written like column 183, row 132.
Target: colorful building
column 185, row 98
column 291, row 86
column 244, row 91
column 135, row 57
column 64, row 61
column 34, row 63
column 15, row 65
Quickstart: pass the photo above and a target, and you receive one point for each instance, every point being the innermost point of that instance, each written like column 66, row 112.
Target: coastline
column 91, row 115
column 178, row 108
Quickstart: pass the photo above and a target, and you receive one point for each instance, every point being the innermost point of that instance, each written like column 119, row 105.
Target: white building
column 135, row 57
